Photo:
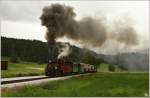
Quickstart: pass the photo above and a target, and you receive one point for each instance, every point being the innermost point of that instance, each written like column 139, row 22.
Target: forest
column 37, row 51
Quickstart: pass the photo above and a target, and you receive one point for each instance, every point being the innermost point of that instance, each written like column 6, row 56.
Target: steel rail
column 21, row 80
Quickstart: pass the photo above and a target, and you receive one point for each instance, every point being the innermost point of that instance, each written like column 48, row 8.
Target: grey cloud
column 20, row 11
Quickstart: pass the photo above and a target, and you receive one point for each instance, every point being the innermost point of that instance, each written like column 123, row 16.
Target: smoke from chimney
column 64, row 50
column 60, row 21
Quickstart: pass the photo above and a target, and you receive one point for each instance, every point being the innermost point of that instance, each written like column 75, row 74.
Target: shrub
column 111, row 68
column 14, row 59
column 123, row 68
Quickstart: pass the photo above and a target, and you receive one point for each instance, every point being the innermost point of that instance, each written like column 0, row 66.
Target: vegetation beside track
column 23, row 69
column 98, row 84
column 33, row 69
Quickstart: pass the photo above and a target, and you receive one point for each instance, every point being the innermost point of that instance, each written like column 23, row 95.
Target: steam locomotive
column 61, row 68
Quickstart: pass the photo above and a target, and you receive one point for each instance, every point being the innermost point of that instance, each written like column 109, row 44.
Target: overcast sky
column 20, row 19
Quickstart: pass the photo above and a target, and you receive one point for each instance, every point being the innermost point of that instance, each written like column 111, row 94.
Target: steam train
column 61, row 68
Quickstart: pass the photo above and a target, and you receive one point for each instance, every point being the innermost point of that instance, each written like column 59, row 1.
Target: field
column 29, row 69
column 98, row 84
column 23, row 69
column 32, row 69
column 101, row 84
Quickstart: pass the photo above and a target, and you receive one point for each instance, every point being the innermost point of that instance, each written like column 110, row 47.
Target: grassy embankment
column 98, row 84
column 22, row 69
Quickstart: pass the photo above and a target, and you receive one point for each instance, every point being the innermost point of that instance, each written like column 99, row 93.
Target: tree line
column 37, row 51
column 27, row 50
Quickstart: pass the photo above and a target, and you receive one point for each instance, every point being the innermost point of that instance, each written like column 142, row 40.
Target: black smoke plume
column 60, row 21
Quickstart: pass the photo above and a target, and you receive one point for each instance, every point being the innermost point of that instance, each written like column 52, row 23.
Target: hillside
column 37, row 51
column 133, row 61
column 28, row 50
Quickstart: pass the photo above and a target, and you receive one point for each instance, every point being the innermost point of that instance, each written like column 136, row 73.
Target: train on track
column 61, row 68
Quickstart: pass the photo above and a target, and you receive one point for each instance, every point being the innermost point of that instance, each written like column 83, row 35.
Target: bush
column 111, row 68
column 14, row 59
column 123, row 68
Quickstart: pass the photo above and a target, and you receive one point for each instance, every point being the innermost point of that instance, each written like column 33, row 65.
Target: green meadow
column 23, row 69
column 93, row 85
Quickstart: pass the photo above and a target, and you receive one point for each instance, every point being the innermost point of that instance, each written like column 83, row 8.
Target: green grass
column 5, row 58
column 23, row 69
column 98, row 84
column 103, row 67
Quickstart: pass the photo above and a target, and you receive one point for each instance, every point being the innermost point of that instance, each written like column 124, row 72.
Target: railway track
column 34, row 80
column 21, row 79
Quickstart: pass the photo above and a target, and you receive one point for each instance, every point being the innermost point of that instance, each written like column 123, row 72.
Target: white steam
column 64, row 50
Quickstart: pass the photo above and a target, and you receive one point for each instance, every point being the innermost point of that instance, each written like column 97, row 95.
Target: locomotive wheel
column 50, row 72
column 47, row 73
column 61, row 73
